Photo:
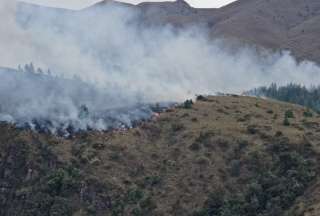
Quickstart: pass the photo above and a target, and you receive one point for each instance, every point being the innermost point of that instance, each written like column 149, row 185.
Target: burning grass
column 61, row 106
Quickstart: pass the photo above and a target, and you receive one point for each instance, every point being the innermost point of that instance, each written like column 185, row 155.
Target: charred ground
column 225, row 155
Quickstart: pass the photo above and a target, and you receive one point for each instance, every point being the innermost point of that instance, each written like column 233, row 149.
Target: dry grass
column 186, row 154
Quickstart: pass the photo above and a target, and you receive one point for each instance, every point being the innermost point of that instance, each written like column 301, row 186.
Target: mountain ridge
column 272, row 24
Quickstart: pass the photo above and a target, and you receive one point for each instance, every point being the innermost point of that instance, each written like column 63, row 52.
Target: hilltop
column 223, row 155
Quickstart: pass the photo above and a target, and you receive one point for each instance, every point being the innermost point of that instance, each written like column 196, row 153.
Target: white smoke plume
column 122, row 63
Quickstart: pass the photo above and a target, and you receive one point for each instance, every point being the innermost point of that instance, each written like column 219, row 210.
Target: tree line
column 292, row 93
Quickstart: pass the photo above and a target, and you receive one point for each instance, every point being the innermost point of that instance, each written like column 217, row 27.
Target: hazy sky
column 76, row 4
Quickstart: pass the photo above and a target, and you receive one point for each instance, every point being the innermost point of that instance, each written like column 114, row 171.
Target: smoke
column 123, row 65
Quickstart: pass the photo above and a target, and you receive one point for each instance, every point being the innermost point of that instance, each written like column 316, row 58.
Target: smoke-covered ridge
column 121, row 65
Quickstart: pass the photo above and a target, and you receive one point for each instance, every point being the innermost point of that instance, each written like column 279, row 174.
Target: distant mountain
column 286, row 24
column 275, row 24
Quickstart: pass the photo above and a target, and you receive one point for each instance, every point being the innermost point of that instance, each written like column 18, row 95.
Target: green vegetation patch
column 279, row 173
column 187, row 104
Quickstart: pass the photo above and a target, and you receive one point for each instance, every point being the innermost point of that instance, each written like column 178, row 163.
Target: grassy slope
column 168, row 166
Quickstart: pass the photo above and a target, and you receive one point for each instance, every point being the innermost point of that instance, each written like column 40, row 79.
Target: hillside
column 274, row 24
column 224, row 155
column 286, row 24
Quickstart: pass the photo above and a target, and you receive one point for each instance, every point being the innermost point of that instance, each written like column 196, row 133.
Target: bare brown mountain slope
column 285, row 24
column 304, row 41
column 275, row 24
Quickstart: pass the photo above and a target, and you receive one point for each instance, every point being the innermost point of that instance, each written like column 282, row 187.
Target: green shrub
column 308, row 114
column 289, row 114
column 286, row 122
column 177, row 127
column 61, row 206
column 252, row 129
column 195, row 146
column 202, row 98
column 115, row 156
column 91, row 210
column 235, row 167
column 203, row 161
column 214, row 203
column 188, row 104
column 270, row 111
column 83, row 112
column 118, row 208
column 137, row 212
column 204, row 137
column 134, row 196
column 55, row 181
column 147, row 205
column 62, row 180
column 279, row 173
column 152, row 180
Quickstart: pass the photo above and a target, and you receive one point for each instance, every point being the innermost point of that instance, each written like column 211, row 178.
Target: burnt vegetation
column 74, row 106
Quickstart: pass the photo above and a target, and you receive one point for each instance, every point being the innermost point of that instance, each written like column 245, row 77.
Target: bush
column 55, row 181
column 203, row 161
column 235, row 167
column 279, row 173
column 60, row 207
column 177, row 127
column 202, row 98
column 134, row 196
column 204, row 136
column 270, row 111
column 252, row 129
column 188, row 104
column 195, row 146
column 62, row 180
column 137, row 212
column 147, row 205
column 278, row 134
column 289, row 114
column 286, row 122
column 83, row 112
column 308, row 114
column 152, row 181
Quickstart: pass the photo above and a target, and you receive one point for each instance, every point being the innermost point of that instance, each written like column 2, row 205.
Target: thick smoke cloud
column 124, row 63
